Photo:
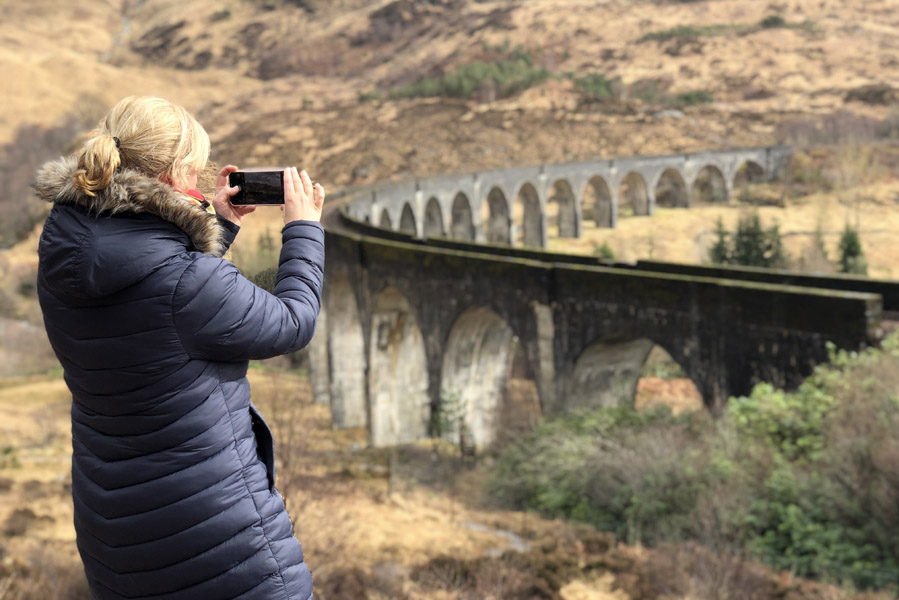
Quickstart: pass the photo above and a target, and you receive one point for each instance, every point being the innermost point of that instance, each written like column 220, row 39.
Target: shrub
column 509, row 76
column 691, row 98
column 720, row 252
column 651, row 91
column 687, row 32
column 750, row 245
column 805, row 481
column 612, row 468
column 694, row 31
column 596, row 87
column 604, row 251
column 756, row 247
column 852, row 257
column 773, row 21
column 372, row 96
column 448, row 418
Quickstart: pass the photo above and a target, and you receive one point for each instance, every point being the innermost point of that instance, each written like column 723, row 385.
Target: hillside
column 289, row 81
column 271, row 78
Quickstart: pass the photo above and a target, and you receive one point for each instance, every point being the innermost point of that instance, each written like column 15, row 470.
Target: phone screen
column 258, row 187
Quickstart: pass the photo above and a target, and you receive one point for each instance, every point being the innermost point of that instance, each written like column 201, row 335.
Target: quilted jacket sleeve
column 229, row 231
column 222, row 316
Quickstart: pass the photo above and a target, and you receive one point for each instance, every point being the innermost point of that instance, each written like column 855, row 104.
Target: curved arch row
column 529, row 205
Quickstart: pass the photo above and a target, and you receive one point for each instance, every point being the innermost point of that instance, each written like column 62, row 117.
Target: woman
column 172, row 466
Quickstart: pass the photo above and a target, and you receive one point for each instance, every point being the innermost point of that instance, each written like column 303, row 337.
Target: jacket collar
column 131, row 191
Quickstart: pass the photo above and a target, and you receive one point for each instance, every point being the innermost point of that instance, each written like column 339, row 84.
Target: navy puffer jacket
column 172, row 467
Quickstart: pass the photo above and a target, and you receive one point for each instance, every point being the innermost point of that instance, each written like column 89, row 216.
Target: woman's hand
column 221, row 202
column 303, row 200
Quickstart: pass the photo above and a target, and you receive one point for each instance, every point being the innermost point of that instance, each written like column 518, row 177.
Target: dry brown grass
column 680, row 235
column 362, row 541
column 62, row 52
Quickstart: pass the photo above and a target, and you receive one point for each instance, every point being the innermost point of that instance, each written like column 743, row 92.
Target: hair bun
column 97, row 162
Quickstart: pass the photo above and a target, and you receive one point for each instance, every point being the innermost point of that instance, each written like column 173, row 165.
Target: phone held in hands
column 258, row 186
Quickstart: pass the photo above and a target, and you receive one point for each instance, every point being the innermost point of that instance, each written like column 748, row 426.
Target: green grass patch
column 692, row 31
column 371, row 96
column 509, row 76
column 220, row 15
column 596, row 86
column 697, row 31
column 691, row 98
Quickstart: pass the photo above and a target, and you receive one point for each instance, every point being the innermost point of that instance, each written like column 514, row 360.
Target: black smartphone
column 258, row 186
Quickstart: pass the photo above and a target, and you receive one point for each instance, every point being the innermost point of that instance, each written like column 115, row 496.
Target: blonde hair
column 150, row 135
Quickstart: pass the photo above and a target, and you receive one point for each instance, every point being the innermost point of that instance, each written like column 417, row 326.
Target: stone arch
column 748, row 173
column 462, row 225
column 607, row 372
column 434, row 219
column 561, row 215
column 663, row 381
column 633, row 195
column 528, row 220
column 407, row 220
column 398, row 373
column 384, row 221
column 597, row 203
column 709, row 187
column 476, row 363
column 671, row 190
column 346, row 348
column 497, row 218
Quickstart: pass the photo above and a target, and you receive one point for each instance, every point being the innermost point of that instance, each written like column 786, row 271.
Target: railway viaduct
column 468, row 314
column 518, row 206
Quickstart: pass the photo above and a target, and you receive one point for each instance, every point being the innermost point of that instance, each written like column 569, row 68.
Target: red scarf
column 195, row 197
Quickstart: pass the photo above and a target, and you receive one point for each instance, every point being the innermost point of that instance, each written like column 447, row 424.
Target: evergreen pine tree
column 774, row 255
column 719, row 253
column 750, row 242
column 852, row 257
column 751, row 245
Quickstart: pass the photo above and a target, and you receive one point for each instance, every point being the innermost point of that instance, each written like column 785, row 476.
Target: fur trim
column 131, row 191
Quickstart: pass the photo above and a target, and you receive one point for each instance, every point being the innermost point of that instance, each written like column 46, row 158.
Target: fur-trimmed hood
column 133, row 192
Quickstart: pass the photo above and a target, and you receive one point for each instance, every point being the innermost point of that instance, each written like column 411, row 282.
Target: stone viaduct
column 415, row 320
column 518, row 206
